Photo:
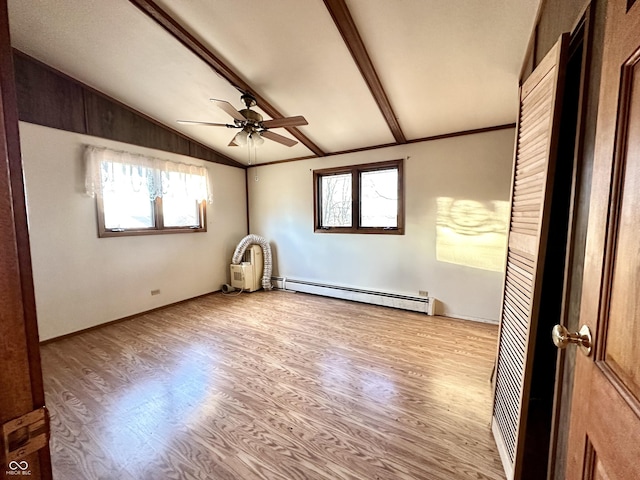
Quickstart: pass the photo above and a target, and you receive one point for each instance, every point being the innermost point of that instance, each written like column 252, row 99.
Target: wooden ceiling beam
column 165, row 20
column 347, row 28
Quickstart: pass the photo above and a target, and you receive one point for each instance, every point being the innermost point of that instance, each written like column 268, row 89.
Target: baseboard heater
column 394, row 300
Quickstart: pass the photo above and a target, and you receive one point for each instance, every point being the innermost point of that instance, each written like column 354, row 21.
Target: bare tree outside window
column 336, row 200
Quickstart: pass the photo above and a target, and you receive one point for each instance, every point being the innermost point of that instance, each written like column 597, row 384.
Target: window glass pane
column 379, row 198
column 125, row 197
column 179, row 205
column 336, row 200
column 180, row 212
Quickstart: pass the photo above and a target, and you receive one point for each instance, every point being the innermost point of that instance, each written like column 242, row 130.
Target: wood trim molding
column 165, row 20
column 581, row 38
column 21, row 377
column 442, row 136
column 246, row 198
column 347, row 28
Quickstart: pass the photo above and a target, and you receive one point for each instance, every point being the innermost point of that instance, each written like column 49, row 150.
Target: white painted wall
column 82, row 280
column 473, row 167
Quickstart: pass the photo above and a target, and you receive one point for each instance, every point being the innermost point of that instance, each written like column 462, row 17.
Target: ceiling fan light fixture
column 242, row 137
column 256, row 139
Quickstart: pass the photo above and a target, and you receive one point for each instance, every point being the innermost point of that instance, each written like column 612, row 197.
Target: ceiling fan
column 253, row 130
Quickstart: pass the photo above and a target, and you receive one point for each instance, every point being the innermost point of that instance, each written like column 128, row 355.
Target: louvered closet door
column 534, row 166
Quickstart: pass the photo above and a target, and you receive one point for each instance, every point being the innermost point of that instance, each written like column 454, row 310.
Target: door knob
column 562, row 337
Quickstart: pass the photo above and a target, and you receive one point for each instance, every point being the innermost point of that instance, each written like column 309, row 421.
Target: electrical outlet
column 155, row 292
column 423, row 293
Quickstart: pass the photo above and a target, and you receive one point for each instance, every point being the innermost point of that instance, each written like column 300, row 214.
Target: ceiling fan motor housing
column 251, row 116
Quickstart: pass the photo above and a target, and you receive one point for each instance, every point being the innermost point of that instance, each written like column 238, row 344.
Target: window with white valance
column 137, row 194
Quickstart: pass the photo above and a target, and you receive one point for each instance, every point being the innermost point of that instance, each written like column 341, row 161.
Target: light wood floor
column 273, row 385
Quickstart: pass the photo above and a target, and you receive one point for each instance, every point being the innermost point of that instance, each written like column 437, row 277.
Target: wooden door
column 531, row 202
column 21, row 390
column 604, row 437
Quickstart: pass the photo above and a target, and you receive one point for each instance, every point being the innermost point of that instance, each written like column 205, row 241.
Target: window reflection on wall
column 472, row 233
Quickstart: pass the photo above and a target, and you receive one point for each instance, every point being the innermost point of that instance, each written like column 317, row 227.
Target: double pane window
column 360, row 199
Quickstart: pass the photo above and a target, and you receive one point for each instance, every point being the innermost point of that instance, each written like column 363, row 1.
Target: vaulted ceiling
column 362, row 72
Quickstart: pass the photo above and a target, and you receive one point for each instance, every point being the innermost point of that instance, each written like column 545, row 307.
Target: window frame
column 356, row 171
column 158, row 215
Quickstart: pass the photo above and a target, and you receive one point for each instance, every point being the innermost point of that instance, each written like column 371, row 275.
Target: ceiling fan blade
column 192, row 122
column 278, row 138
column 285, row 122
column 227, row 107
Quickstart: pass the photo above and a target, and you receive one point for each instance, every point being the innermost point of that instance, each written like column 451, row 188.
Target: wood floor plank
column 273, row 385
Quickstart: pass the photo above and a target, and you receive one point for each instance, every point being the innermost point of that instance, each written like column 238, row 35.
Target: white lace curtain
column 113, row 170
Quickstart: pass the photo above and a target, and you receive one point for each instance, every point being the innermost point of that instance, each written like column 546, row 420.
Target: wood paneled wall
column 50, row 98
column 554, row 17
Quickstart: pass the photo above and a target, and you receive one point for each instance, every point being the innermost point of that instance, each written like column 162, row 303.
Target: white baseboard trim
column 387, row 299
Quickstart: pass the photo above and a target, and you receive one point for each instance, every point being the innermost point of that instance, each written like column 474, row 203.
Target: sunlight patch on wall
column 472, row 233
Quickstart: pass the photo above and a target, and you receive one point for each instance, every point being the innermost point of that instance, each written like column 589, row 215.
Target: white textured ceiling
column 445, row 65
